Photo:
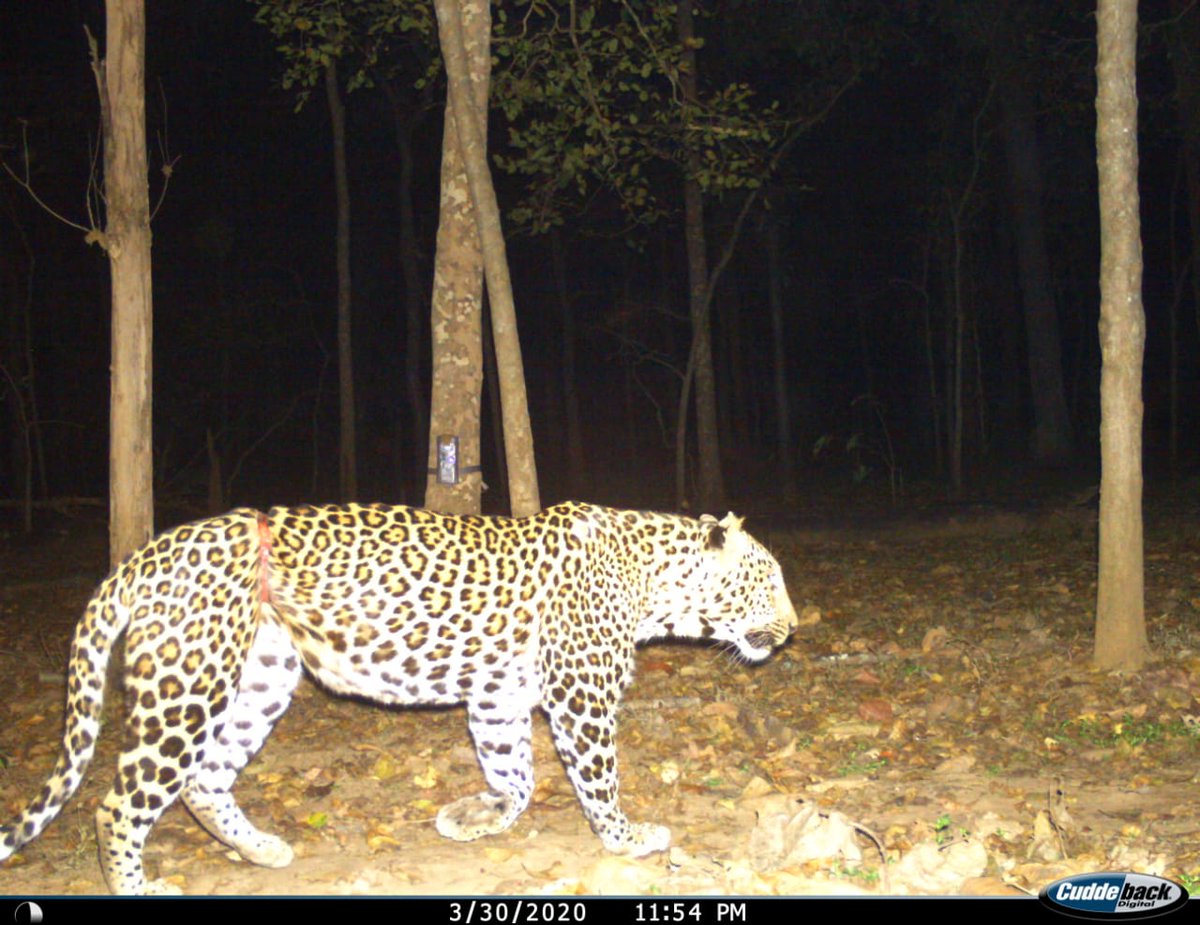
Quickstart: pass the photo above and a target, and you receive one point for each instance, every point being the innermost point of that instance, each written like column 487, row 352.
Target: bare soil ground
column 935, row 727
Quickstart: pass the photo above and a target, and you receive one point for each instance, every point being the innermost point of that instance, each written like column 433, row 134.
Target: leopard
column 399, row 606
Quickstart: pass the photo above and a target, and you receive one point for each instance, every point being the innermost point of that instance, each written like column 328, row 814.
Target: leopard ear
column 732, row 521
column 722, row 530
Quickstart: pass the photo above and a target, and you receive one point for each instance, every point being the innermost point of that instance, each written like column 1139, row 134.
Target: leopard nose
column 783, row 606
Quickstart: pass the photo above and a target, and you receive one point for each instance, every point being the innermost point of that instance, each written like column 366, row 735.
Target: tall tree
column 1184, row 39
column 464, row 31
column 315, row 36
column 120, row 81
column 347, row 451
column 784, row 451
column 17, row 367
column 416, row 289
column 600, row 97
column 578, row 480
column 1052, row 438
column 1120, row 617
column 711, row 488
column 457, row 311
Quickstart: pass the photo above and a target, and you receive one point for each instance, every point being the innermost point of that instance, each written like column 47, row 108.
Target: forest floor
column 934, row 727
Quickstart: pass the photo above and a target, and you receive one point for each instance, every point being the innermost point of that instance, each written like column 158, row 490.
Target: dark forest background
column 906, row 176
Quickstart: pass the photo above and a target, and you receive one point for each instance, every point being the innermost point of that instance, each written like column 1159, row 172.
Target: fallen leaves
column 381, row 835
column 934, row 868
column 788, row 833
column 875, row 711
column 385, row 768
column 964, row 723
column 668, row 772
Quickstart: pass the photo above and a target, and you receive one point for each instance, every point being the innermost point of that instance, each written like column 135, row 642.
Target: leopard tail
column 103, row 621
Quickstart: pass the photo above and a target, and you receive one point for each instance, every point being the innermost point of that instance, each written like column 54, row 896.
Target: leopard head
column 722, row 585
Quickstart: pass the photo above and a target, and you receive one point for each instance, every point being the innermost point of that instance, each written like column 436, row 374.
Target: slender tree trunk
column 491, row 389
column 414, row 340
column 1002, row 299
column 948, row 357
column 120, row 79
column 1173, row 370
column 216, row 477
column 1180, row 270
column 347, row 451
column 464, row 31
column 414, row 288
column 1184, row 43
column 954, row 354
column 577, row 475
column 783, row 417
column 711, row 489
column 457, row 316
column 1120, row 618
column 18, row 375
column 935, row 402
column 981, row 419
column 956, row 333
column 1052, row 424
column 935, row 407
column 735, row 405
column 13, row 379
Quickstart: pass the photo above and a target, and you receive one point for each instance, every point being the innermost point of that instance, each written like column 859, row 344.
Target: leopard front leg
column 503, row 745
column 585, row 733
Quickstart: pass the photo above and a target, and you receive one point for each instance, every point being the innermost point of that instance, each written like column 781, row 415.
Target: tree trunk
column 216, row 477
column 17, row 375
column 948, row 355
column 464, row 36
column 1180, row 268
column 1120, row 620
column 783, row 418
column 457, row 313
column 13, row 380
column 737, row 412
column 347, row 452
column 120, row 79
column 935, row 407
column 495, row 411
column 954, row 352
column 414, row 288
column 1052, row 425
column 577, row 475
column 1184, row 43
column 711, row 488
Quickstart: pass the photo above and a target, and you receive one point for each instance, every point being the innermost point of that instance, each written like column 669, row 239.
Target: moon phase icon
column 28, row 912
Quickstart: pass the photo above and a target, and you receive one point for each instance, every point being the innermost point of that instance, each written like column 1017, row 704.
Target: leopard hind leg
column 181, row 686
column 171, row 720
column 268, row 680
column 503, row 743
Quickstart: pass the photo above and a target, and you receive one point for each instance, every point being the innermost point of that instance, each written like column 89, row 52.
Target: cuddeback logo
column 1111, row 895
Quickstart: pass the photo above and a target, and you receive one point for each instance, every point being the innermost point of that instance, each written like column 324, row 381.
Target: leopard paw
column 643, row 838
column 160, row 888
column 471, row 817
column 267, row 851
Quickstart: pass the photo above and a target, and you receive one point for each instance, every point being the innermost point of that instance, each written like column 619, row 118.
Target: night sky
column 244, row 279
